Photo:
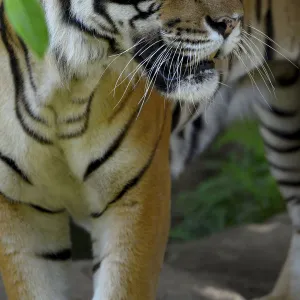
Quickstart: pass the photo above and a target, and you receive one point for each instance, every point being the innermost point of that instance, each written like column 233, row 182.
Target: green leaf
column 28, row 19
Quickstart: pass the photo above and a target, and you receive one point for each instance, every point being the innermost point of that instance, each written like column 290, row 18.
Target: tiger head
column 172, row 41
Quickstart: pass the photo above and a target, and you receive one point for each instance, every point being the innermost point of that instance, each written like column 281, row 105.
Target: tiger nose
column 224, row 25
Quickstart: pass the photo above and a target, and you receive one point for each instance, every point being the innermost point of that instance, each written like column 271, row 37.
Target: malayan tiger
column 84, row 136
column 270, row 40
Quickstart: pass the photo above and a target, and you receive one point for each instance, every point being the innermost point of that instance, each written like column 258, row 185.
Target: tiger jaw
column 176, row 75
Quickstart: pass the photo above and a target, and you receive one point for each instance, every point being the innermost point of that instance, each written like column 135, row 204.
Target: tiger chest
column 47, row 156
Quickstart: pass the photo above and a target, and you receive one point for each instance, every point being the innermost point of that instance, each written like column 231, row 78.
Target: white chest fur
column 51, row 146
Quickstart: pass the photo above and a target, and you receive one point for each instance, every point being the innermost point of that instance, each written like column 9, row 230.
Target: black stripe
column 42, row 140
column 97, row 214
column 181, row 134
column 75, row 119
column 230, row 61
column 62, row 255
column 96, row 267
column 12, row 164
column 142, row 15
column 38, row 208
column 47, row 211
column 100, row 10
column 196, row 127
column 135, row 180
column 172, row 22
column 293, row 199
column 277, row 111
column 285, row 149
column 18, row 81
column 29, row 110
column 176, row 116
column 28, row 64
column 33, row 85
column 269, row 32
column 94, row 165
column 69, row 19
column 258, row 10
column 80, row 132
column 283, row 168
column 221, row 79
column 282, row 113
column 286, row 81
column 288, row 183
column 293, row 135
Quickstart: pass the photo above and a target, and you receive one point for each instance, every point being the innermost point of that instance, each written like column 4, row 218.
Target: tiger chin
column 77, row 139
column 186, row 71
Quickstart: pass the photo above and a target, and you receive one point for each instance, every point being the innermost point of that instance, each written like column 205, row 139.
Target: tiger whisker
column 238, row 55
column 157, row 65
column 147, row 60
column 254, row 45
column 263, row 68
column 171, row 65
column 131, row 61
column 142, row 73
column 258, row 69
column 267, row 37
column 117, row 84
column 224, row 84
column 163, row 57
column 119, row 54
column 133, row 76
column 281, row 54
column 154, row 68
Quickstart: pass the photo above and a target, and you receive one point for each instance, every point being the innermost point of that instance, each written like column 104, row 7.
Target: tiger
column 85, row 135
column 263, row 84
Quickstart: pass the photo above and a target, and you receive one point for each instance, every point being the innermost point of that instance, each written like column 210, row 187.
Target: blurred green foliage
column 28, row 19
column 243, row 191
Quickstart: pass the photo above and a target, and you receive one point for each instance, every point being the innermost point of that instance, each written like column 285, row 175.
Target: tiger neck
column 111, row 89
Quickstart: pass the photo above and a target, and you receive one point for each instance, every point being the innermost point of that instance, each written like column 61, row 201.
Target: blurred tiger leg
column 34, row 251
column 288, row 284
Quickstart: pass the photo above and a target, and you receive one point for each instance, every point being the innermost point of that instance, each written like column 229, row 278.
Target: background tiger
column 271, row 40
column 82, row 137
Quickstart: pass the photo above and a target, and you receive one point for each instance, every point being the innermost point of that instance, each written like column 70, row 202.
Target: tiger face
column 172, row 42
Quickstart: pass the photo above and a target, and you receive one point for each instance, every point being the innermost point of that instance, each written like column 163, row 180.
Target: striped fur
column 278, row 116
column 85, row 134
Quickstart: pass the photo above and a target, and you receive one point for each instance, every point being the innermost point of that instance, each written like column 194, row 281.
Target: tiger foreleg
column 130, row 236
column 128, row 254
column 34, row 252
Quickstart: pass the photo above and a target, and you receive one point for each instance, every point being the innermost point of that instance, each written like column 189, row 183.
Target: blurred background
column 228, row 185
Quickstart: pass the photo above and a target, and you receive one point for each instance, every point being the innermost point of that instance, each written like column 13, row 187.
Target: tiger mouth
column 167, row 68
